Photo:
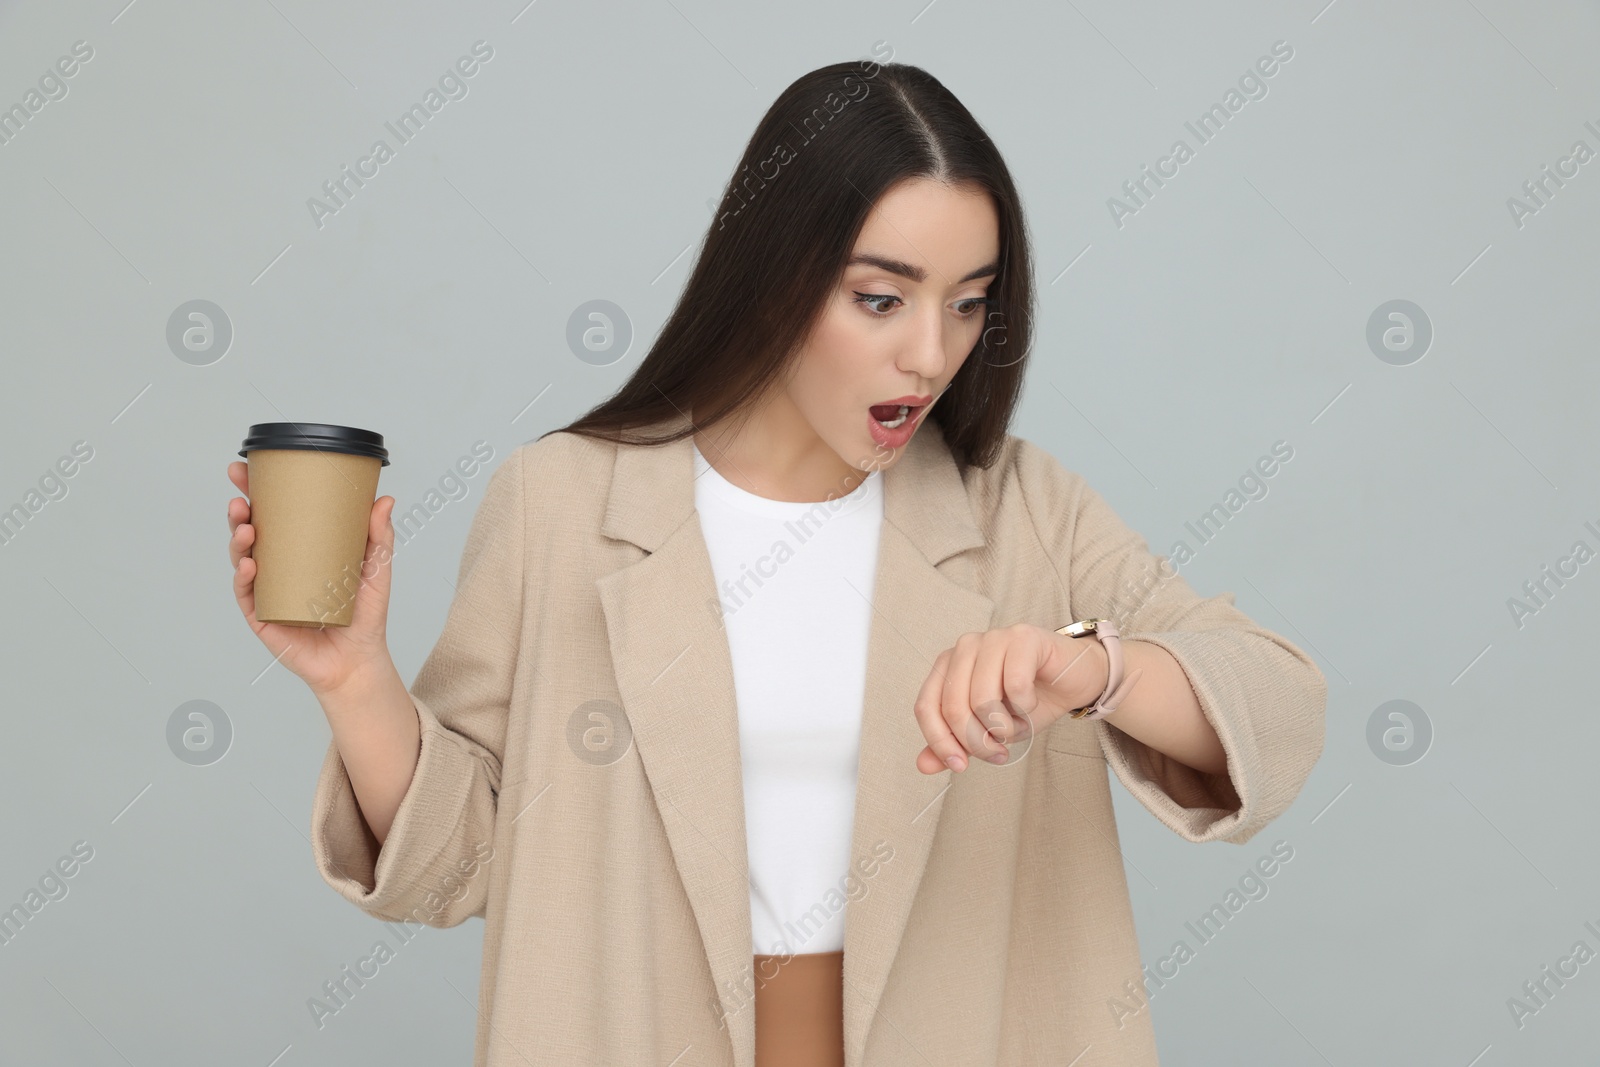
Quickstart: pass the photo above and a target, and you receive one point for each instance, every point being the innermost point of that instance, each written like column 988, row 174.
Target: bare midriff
column 800, row 1010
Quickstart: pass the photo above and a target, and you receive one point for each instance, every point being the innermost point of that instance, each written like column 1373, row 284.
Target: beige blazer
column 579, row 784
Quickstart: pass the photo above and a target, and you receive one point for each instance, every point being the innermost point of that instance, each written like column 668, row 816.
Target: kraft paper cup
column 312, row 487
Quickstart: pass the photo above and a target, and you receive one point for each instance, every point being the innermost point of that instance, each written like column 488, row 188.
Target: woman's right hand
column 325, row 657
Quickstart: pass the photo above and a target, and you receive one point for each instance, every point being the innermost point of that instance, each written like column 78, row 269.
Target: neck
column 776, row 454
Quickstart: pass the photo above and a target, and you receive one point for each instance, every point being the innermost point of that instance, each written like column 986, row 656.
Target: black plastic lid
column 315, row 436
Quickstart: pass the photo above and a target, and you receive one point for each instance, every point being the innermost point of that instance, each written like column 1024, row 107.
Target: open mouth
column 891, row 416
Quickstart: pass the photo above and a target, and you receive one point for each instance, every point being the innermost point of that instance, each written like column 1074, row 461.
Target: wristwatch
column 1106, row 631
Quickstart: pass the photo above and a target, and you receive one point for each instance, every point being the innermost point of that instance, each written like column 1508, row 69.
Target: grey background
column 1229, row 313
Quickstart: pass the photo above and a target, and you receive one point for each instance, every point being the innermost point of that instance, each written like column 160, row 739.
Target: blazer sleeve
column 431, row 867
column 1265, row 697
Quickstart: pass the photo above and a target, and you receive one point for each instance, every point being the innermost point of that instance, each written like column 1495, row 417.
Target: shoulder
column 562, row 478
column 562, row 446
column 562, row 463
column 1025, row 478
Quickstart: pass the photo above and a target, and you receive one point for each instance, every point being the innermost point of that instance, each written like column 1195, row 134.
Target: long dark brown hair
column 833, row 143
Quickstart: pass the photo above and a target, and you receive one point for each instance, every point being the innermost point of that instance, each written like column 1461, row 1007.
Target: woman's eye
column 871, row 299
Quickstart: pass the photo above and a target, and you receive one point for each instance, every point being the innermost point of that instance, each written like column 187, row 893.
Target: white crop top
column 796, row 582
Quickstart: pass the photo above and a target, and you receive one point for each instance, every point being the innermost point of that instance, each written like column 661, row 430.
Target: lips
column 909, row 400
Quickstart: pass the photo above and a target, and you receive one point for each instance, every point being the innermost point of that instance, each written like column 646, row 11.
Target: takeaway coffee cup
column 312, row 487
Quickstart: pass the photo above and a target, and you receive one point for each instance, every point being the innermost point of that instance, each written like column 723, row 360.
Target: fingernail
column 954, row 762
column 998, row 757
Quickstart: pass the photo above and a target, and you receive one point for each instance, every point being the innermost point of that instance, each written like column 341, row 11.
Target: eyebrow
column 910, row 270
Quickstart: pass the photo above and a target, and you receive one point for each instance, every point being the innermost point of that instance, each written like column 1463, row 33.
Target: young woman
column 730, row 733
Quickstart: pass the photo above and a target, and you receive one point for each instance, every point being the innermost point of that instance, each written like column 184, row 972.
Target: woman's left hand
column 1002, row 686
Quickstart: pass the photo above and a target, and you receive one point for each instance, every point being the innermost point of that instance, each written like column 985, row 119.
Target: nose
column 924, row 354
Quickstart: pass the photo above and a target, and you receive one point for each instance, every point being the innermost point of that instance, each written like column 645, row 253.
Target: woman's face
column 905, row 316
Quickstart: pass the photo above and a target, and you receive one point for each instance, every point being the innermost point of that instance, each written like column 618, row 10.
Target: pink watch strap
column 1116, row 686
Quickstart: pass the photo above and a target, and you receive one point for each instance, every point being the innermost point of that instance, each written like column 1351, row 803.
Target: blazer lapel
column 675, row 676
column 918, row 611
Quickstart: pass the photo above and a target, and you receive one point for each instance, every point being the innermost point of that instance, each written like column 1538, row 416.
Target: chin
column 878, row 460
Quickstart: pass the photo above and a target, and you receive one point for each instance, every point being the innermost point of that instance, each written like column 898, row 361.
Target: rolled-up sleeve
column 432, row 866
column 1265, row 697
